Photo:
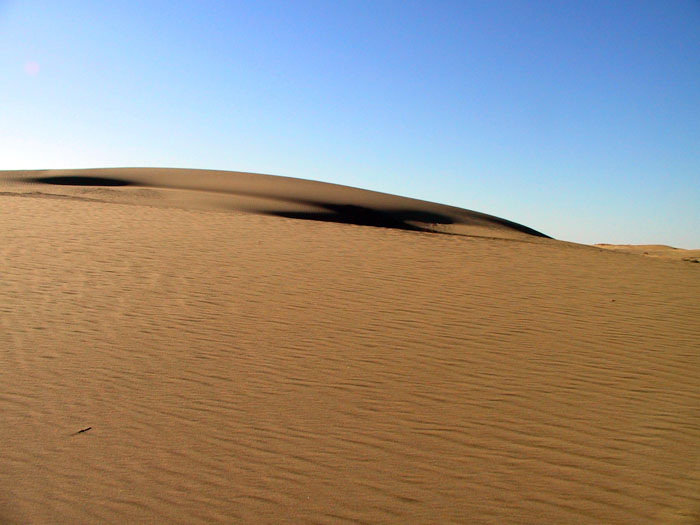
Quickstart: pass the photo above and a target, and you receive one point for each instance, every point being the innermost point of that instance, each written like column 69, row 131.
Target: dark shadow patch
column 362, row 216
column 401, row 219
column 74, row 180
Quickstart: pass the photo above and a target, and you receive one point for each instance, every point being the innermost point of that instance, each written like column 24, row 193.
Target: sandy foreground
column 246, row 348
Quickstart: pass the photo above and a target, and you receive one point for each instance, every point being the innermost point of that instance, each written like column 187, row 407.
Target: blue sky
column 579, row 119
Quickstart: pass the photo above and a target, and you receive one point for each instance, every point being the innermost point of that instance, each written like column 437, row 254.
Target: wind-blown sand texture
column 255, row 367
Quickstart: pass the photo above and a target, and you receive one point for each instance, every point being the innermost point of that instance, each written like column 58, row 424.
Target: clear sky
column 579, row 119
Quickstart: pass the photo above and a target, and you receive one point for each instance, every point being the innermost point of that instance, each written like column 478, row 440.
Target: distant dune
column 655, row 250
column 178, row 346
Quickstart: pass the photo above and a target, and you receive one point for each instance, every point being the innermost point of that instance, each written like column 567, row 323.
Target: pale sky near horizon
column 578, row 119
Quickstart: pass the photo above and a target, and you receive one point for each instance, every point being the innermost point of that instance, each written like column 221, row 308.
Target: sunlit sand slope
column 237, row 367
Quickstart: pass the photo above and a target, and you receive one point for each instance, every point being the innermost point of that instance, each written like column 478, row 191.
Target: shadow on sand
column 81, row 181
column 363, row 216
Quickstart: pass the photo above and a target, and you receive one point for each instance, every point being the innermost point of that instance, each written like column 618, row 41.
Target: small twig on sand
column 81, row 431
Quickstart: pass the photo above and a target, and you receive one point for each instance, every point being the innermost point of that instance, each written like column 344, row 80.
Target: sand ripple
column 251, row 368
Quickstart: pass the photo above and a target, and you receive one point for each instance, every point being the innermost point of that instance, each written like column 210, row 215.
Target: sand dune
column 254, row 367
column 270, row 195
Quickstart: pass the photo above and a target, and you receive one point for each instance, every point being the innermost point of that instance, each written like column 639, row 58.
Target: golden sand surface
column 251, row 349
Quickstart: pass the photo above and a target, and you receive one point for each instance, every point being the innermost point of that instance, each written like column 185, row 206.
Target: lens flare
column 31, row 68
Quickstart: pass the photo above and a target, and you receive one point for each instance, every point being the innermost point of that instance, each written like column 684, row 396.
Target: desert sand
column 244, row 348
